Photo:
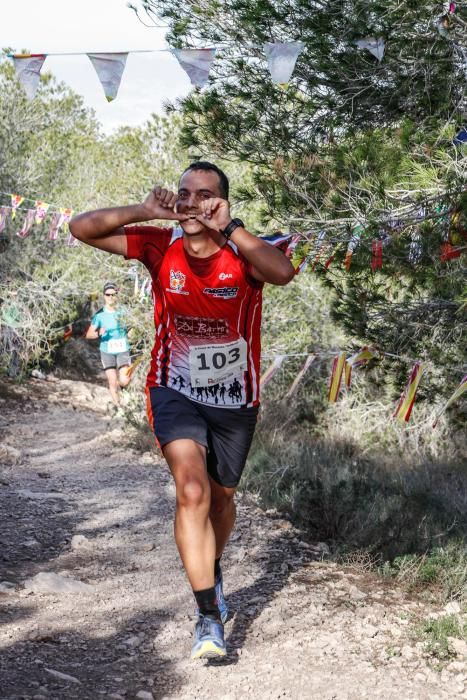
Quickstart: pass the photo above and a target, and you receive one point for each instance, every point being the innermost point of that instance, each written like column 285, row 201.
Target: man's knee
column 193, row 493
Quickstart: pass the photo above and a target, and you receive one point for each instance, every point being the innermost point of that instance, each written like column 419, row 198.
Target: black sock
column 207, row 602
column 217, row 568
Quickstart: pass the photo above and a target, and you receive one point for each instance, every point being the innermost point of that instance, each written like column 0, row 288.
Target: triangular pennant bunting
column 352, row 245
column 281, row 59
column 196, row 63
column 41, row 210
column 449, row 252
column 374, row 46
column 59, row 218
column 376, row 255
column 16, row 201
column 28, row 222
column 72, row 242
column 4, row 211
column 109, row 68
column 28, row 71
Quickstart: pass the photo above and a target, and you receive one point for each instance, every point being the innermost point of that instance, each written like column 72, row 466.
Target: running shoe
column 209, row 639
column 221, row 602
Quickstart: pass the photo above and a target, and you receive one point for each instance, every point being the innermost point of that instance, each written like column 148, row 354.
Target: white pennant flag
column 109, row 68
column 196, row 63
column 374, row 46
column 28, row 72
column 281, row 59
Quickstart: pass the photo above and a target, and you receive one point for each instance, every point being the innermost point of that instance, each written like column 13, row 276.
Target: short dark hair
column 205, row 165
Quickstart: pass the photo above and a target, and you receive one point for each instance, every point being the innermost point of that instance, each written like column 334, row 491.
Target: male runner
column 203, row 383
column 107, row 324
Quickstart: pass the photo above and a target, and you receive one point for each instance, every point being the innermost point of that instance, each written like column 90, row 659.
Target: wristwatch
column 230, row 228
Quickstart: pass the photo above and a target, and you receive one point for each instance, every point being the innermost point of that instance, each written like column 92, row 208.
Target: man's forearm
column 101, row 222
column 267, row 260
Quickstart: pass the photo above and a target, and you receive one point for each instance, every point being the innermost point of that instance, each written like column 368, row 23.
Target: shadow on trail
column 279, row 557
column 119, row 669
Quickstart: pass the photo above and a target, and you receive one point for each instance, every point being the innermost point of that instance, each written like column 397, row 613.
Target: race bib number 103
column 214, row 364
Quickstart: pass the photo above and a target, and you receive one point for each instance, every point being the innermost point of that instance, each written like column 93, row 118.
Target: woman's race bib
column 116, row 345
column 213, row 364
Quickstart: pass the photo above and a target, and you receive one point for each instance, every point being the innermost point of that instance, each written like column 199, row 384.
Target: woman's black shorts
column 225, row 432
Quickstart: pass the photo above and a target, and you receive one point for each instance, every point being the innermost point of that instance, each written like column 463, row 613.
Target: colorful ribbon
column 129, row 370
column 16, row 200
column 336, row 377
column 360, row 358
column 41, row 210
column 376, row 254
column 271, row 371
column 407, row 399
column 299, row 376
column 28, row 222
column 457, row 394
column 4, row 211
column 59, row 218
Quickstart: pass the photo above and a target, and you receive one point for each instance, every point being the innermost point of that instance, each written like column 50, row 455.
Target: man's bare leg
column 222, row 514
column 196, row 541
column 194, row 533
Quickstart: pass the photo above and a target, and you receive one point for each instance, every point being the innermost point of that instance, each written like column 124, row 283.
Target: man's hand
column 160, row 204
column 215, row 213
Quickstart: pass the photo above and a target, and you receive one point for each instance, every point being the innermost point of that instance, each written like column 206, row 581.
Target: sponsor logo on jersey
column 225, row 275
column 177, row 282
column 221, row 292
column 196, row 327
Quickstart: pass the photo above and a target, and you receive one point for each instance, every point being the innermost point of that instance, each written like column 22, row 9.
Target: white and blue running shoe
column 209, row 639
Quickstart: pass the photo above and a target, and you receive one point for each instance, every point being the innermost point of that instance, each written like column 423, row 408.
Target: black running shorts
column 225, row 432
column 112, row 361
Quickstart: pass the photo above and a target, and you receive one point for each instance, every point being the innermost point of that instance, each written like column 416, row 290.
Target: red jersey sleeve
column 148, row 244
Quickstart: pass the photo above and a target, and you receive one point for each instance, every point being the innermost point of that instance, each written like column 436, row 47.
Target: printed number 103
column 219, row 359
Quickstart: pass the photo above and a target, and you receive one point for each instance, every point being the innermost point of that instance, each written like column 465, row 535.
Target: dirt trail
column 302, row 627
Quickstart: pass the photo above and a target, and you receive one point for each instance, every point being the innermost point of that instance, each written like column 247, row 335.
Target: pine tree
column 358, row 148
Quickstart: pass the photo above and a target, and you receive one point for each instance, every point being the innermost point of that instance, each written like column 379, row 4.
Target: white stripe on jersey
column 240, row 311
column 251, row 362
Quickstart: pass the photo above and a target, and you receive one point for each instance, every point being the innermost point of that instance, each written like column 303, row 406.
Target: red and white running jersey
column 207, row 316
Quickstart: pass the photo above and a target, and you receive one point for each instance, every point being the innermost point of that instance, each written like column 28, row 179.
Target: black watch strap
column 230, row 228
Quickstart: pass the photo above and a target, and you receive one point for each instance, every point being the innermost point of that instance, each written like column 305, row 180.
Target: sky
column 43, row 26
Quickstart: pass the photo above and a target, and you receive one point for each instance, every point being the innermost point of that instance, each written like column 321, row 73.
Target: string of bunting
column 309, row 248
column 341, row 372
column 59, row 217
column 281, row 58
